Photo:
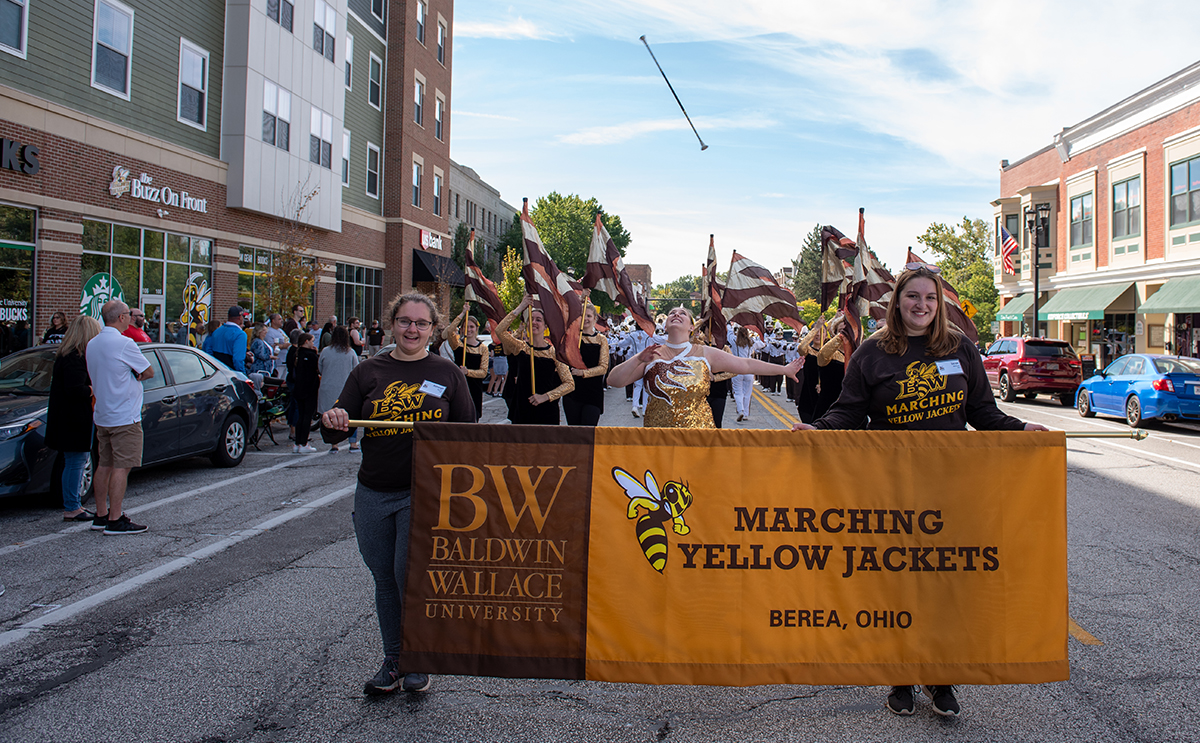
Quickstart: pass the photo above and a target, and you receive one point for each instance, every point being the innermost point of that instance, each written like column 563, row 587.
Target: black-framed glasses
column 927, row 266
column 404, row 322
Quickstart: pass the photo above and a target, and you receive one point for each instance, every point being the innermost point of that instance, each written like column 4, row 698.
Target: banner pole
column 380, row 424
column 1137, row 434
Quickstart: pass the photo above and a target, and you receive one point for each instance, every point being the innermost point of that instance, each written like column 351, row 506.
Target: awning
column 437, row 268
column 1177, row 295
column 1082, row 303
column 1015, row 310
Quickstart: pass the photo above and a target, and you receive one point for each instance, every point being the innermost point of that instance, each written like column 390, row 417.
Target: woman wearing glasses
column 553, row 378
column 918, row 349
column 408, row 384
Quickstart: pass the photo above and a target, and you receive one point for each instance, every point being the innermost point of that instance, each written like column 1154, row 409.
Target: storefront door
column 153, row 307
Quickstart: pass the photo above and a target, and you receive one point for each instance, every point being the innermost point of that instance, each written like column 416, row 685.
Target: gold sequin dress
column 678, row 392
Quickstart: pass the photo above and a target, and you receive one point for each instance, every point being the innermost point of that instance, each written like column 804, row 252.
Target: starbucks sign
column 98, row 290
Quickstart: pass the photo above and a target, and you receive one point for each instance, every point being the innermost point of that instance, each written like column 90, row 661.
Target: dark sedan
column 192, row 406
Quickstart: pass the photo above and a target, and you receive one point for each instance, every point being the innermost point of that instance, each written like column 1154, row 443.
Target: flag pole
column 529, row 335
column 466, row 315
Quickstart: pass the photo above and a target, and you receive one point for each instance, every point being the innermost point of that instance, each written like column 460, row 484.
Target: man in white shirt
column 117, row 368
column 279, row 343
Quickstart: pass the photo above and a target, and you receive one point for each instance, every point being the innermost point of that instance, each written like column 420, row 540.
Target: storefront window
column 126, row 263
column 256, row 267
column 358, row 293
column 17, row 228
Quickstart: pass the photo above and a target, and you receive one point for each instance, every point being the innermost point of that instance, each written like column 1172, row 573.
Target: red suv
column 1031, row 365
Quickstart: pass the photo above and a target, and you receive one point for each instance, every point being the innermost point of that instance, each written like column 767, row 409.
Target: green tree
column 512, row 241
column 684, row 286
column 806, row 277
column 966, row 261
column 565, row 224
column 511, row 288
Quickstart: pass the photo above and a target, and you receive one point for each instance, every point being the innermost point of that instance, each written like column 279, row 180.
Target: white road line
column 74, row 529
column 125, row 586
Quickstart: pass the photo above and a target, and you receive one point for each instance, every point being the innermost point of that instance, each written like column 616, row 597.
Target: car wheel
column 1030, row 395
column 1006, row 391
column 1133, row 411
column 231, row 445
column 1068, row 398
column 89, row 476
column 1084, row 405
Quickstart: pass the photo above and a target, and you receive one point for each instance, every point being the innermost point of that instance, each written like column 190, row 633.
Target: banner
column 668, row 556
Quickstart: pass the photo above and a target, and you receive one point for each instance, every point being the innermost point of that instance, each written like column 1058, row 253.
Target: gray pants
column 381, row 523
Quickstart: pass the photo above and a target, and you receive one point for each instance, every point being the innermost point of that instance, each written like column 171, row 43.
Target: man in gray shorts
column 117, row 368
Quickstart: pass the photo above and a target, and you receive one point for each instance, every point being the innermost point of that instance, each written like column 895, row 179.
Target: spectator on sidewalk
column 69, row 416
column 57, row 329
column 116, row 368
column 137, row 321
column 374, row 338
column 227, row 344
column 277, row 339
column 307, row 378
column 335, row 363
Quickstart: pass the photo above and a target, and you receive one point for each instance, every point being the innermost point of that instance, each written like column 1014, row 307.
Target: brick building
column 164, row 152
column 1119, row 270
column 477, row 204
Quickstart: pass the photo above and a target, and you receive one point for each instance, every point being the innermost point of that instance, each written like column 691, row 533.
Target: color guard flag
column 557, row 295
column 1008, row 246
column 953, row 305
column 480, row 290
column 711, row 316
column 836, row 251
column 606, row 272
column 752, row 292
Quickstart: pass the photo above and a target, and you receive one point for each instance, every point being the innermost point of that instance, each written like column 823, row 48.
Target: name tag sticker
column 946, row 368
column 433, row 388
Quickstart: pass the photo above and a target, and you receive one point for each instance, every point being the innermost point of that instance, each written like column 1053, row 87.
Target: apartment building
column 477, row 204
column 1119, row 266
column 163, row 152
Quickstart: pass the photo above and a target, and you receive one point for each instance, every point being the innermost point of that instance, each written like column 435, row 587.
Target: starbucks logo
column 100, row 288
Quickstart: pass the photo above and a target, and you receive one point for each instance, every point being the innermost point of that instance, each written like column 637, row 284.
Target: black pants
column 717, row 403
column 579, row 413
column 306, row 407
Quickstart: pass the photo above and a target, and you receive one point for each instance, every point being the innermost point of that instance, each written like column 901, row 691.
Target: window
column 437, row 194
column 324, row 29
column 1127, row 208
column 456, row 212
column 14, row 26
column 349, row 62
column 418, row 97
column 442, row 43
column 345, row 157
column 358, row 292
column 421, row 11
column 186, row 366
column 375, row 86
column 281, row 11
column 1185, row 192
column 416, row 184
column 377, row 9
column 372, row 171
column 320, row 138
column 1081, row 221
column 112, row 48
column 277, row 115
column 439, row 112
column 193, row 84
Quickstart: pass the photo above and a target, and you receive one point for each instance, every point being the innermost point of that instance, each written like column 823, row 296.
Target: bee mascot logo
column 651, row 509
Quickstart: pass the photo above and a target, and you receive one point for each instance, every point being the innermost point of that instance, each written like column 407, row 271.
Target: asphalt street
column 246, row 614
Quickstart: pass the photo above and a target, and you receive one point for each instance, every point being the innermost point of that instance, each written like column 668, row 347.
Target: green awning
column 1015, row 310
column 1082, row 303
column 1177, row 295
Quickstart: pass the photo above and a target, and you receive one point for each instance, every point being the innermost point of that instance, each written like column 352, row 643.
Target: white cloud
column 516, row 28
column 500, row 117
column 618, row 133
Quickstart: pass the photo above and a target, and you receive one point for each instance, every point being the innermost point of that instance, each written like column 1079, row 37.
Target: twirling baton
column 703, row 146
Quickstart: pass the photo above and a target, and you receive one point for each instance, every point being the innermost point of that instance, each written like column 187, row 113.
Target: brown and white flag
column 606, row 272
column 752, row 292
column 557, row 295
column 711, row 317
column 480, row 289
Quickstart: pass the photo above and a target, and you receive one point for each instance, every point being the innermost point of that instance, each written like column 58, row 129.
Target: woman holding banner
column 535, row 388
column 473, row 360
column 677, row 374
column 918, row 373
column 407, row 384
column 584, row 405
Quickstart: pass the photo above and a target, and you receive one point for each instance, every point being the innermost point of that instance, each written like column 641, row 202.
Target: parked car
column 1142, row 386
column 1033, row 366
column 193, row 406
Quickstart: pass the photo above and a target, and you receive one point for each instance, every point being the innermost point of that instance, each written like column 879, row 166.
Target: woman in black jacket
column 69, row 418
column 308, row 380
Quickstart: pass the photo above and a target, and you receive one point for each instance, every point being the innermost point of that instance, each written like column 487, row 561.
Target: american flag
column 606, row 272
column 1008, row 246
column 555, row 293
column 480, row 289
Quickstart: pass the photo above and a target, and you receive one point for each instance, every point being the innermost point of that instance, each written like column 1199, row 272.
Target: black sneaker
column 123, row 526
column 386, row 681
column 900, row 701
column 100, row 523
column 416, row 682
column 944, row 702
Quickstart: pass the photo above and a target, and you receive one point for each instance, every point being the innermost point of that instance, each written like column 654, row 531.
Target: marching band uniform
column 585, row 404
column 743, row 384
column 831, row 364
column 636, row 343
column 678, row 390
column 806, row 394
column 552, row 376
column 790, row 354
column 476, row 363
column 718, row 393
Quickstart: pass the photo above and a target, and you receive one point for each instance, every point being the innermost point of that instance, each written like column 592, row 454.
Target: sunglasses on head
column 927, row 266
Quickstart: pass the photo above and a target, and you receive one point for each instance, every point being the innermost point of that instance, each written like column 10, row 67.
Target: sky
column 810, row 109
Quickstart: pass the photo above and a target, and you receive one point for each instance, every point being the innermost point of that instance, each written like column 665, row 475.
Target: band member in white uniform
column 745, row 345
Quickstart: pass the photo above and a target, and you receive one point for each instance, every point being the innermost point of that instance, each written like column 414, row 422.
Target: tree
column 294, row 270
column 966, row 262
column 810, row 311
column 806, row 277
column 684, row 286
column 565, row 224
column 511, row 288
column 512, row 241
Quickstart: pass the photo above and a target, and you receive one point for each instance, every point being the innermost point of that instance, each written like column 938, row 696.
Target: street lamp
column 1037, row 223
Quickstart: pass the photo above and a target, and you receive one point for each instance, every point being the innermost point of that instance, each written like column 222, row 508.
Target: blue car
column 1142, row 386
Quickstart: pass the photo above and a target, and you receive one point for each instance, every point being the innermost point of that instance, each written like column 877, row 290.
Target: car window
column 159, row 379
column 1136, row 366
column 1010, row 346
column 1177, row 366
column 1048, row 350
column 1117, row 367
column 995, row 348
column 27, row 373
column 186, row 366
